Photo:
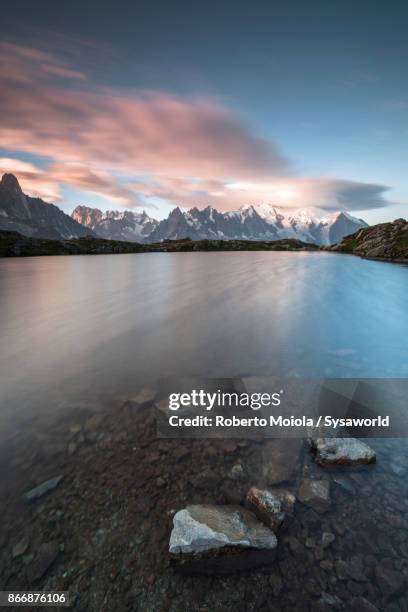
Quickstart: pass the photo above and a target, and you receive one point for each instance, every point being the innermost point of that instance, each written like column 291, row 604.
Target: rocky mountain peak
column 10, row 183
column 31, row 216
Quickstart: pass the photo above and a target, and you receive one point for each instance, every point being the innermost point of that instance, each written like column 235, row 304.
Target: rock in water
column 315, row 494
column 45, row 557
column 266, row 506
column 391, row 583
column 280, row 458
column 43, row 488
column 20, row 548
column 145, row 396
column 342, row 452
column 220, row 539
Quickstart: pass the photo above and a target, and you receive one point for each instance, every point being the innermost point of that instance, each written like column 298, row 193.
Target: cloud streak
column 140, row 132
column 187, row 151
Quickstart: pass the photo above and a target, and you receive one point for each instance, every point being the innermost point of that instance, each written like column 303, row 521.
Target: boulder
column 342, row 452
column 315, row 494
column 266, row 506
column 220, row 539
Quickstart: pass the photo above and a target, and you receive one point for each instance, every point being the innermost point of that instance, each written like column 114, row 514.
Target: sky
column 145, row 105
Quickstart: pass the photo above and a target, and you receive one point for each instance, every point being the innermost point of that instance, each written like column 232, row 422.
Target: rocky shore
column 97, row 505
column 385, row 242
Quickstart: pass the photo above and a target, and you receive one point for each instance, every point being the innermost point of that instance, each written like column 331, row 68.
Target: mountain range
column 32, row 216
column 116, row 225
column 254, row 222
column 35, row 218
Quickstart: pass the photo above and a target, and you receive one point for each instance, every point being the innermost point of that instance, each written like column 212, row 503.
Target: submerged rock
column 360, row 604
column 342, row 452
column 328, row 602
column 144, row 396
column 266, row 506
column 45, row 557
column 20, row 548
column 390, row 581
column 280, row 459
column 43, row 488
column 220, row 539
column 315, row 494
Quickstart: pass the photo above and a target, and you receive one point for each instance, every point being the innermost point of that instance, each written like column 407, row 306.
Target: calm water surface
column 80, row 335
column 86, row 327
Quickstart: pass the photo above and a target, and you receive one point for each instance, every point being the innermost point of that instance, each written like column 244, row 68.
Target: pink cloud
column 194, row 152
column 94, row 181
column 138, row 132
column 33, row 180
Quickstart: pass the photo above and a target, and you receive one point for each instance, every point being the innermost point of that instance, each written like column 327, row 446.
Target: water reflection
column 98, row 326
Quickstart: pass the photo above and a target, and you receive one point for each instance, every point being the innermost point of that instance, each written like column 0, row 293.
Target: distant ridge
column 32, row 216
column 260, row 222
column 35, row 218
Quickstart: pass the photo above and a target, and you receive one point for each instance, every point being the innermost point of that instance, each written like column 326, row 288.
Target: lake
column 81, row 335
column 87, row 327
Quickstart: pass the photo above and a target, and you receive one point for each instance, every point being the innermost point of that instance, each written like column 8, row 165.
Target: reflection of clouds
column 106, row 324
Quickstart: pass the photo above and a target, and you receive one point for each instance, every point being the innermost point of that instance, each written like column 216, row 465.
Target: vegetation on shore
column 13, row 244
column 386, row 241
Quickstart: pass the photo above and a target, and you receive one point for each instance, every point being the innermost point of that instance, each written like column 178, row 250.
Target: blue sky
column 311, row 96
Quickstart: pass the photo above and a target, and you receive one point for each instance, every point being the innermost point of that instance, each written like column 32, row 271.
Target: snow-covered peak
column 251, row 222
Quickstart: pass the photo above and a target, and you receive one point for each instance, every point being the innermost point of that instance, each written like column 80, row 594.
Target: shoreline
column 13, row 244
column 106, row 523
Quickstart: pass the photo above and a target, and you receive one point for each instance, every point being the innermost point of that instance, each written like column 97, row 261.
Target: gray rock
column 356, row 568
column 399, row 470
column 328, row 602
column 315, row 494
column 280, row 458
column 206, row 480
column 361, row 604
column 342, row 452
column 344, row 484
column 212, row 539
column 341, row 569
column 43, row 488
column 327, row 538
column 72, row 447
column 145, row 396
column 266, row 506
column 310, row 543
column 237, row 472
column 45, row 557
column 20, row 548
column 94, row 422
column 390, row 582
column 286, row 498
column 327, row 565
column 276, row 584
